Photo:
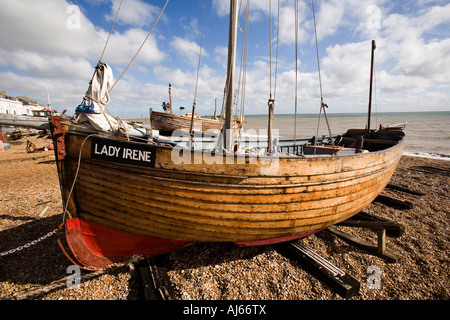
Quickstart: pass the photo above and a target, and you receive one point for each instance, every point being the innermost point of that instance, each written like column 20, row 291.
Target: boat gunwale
column 398, row 143
column 158, row 113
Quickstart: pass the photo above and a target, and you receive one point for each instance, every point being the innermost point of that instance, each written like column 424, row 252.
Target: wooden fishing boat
column 151, row 205
column 129, row 196
column 167, row 123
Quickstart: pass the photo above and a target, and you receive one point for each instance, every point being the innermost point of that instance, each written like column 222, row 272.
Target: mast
column 227, row 127
column 215, row 108
column 170, row 98
column 370, row 89
column 48, row 98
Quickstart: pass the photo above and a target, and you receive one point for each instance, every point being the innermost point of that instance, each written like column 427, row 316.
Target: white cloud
column 53, row 45
column 287, row 24
column 64, row 94
column 415, row 55
column 329, row 18
column 221, row 7
column 45, row 65
column 41, row 26
column 123, row 46
column 187, row 50
column 221, row 54
column 135, row 13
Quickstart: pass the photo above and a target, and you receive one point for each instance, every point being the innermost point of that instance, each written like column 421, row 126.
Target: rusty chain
column 29, row 244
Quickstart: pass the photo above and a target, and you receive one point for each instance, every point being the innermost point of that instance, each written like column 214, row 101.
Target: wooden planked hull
column 166, row 123
column 211, row 198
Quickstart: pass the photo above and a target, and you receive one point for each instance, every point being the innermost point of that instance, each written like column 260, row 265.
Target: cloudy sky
column 56, row 44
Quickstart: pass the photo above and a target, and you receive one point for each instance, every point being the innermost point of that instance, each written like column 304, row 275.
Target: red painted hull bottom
column 95, row 246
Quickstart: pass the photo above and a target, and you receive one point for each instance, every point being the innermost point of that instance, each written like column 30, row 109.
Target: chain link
column 29, row 244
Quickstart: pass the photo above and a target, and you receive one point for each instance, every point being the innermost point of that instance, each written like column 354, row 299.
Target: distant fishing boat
column 126, row 193
column 167, row 122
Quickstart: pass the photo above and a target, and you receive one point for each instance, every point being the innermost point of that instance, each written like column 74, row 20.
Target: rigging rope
column 243, row 70
column 148, row 35
column 322, row 104
column 110, row 32
column 270, row 49
column 375, row 91
column 317, row 52
column 276, row 59
column 296, row 72
column 200, row 54
column 243, row 76
column 196, row 80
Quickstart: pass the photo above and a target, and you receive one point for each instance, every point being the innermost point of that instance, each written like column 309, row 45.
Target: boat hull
column 35, row 122
column 167, row 123
column 190, row 197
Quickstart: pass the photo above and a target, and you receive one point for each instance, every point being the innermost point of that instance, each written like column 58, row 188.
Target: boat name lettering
column 123, row 152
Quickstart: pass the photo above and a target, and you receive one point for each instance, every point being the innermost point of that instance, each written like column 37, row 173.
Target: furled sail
column 93, row 108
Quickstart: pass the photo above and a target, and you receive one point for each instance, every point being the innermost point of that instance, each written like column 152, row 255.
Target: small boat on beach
column 167, row 122
column 126, row 193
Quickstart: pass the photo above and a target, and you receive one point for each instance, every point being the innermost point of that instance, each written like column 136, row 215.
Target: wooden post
column 269, row 130
column 379, row 250
column 170, row 97
column 227, row 127
column 370, row 88
column 381, row 241
column 191, row 128
column 215, row 108
column 150, row 114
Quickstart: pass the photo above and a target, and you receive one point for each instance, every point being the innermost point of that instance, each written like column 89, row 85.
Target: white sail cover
column 97, row 97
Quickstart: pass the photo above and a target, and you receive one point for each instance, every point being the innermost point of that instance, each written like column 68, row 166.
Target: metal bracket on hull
column 58, row 138
column 87, row 259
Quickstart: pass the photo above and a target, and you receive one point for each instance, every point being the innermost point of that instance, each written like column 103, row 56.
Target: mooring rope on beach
column 29, row 244
column 60, row 284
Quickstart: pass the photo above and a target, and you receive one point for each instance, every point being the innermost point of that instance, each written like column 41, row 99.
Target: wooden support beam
column 342, row 283
column 395, row 203
column 406, row 190
column 155, row 281
column 379, row 249
column 381, row 233
column 366, row 220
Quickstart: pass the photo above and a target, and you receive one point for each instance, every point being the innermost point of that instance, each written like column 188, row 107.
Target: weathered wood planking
column 250, row 199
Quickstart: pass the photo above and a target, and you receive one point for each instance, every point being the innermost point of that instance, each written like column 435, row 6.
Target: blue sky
column 56, row 44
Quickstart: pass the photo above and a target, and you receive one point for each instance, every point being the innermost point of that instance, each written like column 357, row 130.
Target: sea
column 427, row 133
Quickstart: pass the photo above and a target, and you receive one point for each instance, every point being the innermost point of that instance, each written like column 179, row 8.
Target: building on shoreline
column 18, row 105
